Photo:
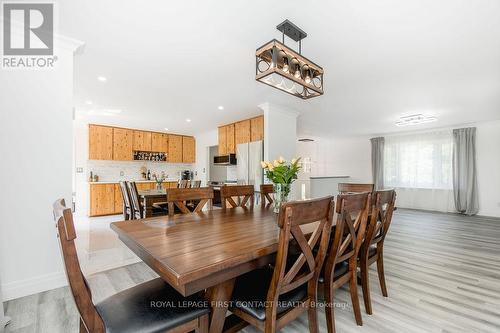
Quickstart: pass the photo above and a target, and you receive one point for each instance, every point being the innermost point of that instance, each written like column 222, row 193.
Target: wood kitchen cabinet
column 174, row 148
column 159, row 142
column 122, row 144
column 169, row 184
column 226, row 140
column 230, row 143
column 188, row 149
column 145, row 186
column 142, row 140
column 102, row 199
column 118, row 200
column 257, row 128
column 242, row 132
column 222, row 140
column 100, row 142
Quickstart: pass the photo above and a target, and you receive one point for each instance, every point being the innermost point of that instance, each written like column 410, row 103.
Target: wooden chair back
column 183, row 183
column 265, row 194
column 127, row 206
column 244, row 193
column 77, row 283
column 352, row 214
column 179, row 196
column 381, row 218
column 135, row 201
column 306, row 268
column 345, row 188
column 195, row 183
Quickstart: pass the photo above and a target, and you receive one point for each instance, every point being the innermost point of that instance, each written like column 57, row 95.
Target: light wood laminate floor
column 442, row 270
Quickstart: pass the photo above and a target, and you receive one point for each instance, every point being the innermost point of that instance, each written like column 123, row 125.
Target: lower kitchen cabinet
column 118, row 199
column 102, row 199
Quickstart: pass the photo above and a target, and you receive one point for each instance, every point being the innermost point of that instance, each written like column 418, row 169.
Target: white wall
column 488, row 167
column 36, row 149
column 350, row 156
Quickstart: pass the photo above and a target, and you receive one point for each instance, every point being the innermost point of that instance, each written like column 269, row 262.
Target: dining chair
column 130, row 310
column 372, row 249
column 195, row 183
column 341, row 264
column 265, row 193
column 137, row 209
column 183, row 183
column 243, row 193
column 127, row 207
column 345, row 188
column 177, row 197
column 271, row 297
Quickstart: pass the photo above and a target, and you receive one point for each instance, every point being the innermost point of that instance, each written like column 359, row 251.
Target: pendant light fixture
column 281, row 67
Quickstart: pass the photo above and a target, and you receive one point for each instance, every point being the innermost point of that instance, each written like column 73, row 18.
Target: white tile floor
column 98, row 246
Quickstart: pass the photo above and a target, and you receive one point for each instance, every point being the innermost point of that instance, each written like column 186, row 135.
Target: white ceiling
column 167, row 61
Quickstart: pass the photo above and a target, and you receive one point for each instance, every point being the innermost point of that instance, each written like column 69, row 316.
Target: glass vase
column 281, row 194
column 159, row 186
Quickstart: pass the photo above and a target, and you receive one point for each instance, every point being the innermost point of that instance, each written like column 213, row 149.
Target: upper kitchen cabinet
column 100, row 142
column 122, row 144
column 222, row 140
column 159, row 142
column 231, row 147
column 174, row 148
column 188, row 149
column 257, row 128
column 242, row 132
column 226, row 140
column 142, row 141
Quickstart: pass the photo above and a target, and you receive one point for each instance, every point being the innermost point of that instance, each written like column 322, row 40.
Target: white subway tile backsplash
column 130, row 170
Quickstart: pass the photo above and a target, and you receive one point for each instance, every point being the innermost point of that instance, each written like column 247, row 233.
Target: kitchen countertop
column 322, row 177
column 137, row 181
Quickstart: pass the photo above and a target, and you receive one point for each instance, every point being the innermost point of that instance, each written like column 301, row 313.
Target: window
column 419, row 160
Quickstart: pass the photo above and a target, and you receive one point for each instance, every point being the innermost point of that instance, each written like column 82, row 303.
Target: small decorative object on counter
column 149, row 175
column 143, row 170
column 282, row 174
column 159, row 180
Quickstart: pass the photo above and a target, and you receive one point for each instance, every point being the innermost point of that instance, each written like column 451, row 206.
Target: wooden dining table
column 205, row 251
column 150, row 197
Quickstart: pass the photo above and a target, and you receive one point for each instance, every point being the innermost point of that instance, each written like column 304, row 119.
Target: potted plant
column 282, row 173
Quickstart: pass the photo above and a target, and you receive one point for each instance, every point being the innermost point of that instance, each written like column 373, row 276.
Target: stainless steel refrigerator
column 248, row 158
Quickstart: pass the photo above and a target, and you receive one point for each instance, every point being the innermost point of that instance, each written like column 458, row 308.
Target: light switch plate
column 79, row 170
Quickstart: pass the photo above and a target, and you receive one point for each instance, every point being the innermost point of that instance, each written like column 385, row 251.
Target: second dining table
column 205, row 251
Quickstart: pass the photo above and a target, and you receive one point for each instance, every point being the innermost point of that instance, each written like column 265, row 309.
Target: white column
column 280, row 131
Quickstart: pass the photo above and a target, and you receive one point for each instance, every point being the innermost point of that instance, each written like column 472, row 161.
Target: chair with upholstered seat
column 372, row 249
column 345, row 188
column 132, row 310
column 269, row 298
column 243, row 193
column 265, row 193
column 341, row 264
column 180, row 198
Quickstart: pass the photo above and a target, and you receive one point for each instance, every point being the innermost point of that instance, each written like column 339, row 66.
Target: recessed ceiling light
column 166, row 129
column 188, row 120
column 220, row 107
column 88, row 102
column 102, row 78
column 415, row 119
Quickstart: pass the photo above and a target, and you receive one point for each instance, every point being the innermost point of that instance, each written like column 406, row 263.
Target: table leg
column 148, row 208
column 219, row 297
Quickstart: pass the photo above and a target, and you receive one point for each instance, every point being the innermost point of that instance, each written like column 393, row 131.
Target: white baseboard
column 34, row 285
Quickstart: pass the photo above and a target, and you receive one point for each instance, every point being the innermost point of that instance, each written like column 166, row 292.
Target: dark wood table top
column 196, row 251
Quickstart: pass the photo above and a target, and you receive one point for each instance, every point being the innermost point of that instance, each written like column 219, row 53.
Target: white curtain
column 419, row 166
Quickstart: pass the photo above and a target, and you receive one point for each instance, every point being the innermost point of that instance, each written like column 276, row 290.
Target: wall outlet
column 79, row 170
